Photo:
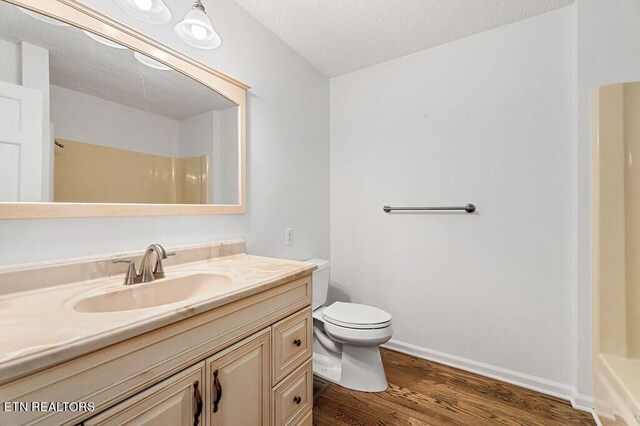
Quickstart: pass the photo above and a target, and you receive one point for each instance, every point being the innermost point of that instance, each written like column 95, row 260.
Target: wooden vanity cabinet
column 244, row 363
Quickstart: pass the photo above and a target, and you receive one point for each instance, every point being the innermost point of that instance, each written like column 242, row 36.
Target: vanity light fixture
column 103, row 40
column 152, row 63
column 151, row 11
column 196, row 28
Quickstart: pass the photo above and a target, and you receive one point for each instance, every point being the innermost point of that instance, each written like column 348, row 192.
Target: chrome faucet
column 147, row 273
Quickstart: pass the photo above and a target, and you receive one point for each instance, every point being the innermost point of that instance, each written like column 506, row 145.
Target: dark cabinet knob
column 297, row 342
column 297, row 399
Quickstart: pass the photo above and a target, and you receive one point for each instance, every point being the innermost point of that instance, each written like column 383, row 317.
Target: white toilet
column 346, row 338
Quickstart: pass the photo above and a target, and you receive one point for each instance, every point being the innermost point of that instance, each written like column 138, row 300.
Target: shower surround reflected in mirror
column 616, row 251
column 87, row 121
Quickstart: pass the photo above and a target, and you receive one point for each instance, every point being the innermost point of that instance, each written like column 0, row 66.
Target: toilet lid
column 354, row 315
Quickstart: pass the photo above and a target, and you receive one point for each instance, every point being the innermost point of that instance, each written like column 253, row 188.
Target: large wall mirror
column 97, row 120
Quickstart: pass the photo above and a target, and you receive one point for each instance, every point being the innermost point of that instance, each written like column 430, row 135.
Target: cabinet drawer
column 293, row 397
column 292, row 343
column 177, row 400
column 307, row 420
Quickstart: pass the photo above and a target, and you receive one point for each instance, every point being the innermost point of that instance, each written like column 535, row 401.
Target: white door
column 20, row 143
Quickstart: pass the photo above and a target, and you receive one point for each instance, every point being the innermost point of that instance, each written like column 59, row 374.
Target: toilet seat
column 356, row 316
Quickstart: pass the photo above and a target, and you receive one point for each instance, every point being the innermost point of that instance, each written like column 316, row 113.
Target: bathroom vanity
column 224, row 339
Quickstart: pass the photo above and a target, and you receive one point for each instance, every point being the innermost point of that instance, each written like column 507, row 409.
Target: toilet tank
column 320, row 282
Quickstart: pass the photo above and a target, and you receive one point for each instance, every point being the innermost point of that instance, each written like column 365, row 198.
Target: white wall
column 288, row 157
column 608, row 51
column 487, row 119
column 196, row 138
column 226, row 157
column 84, row 118
column 214, row 133
column 9, row 57
column 35, row 74
column 196, row 135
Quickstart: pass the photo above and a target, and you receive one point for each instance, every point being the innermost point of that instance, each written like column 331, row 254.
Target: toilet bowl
column 346, row 338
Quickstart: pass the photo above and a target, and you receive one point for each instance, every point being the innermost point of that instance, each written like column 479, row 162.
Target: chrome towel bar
column 469, row 208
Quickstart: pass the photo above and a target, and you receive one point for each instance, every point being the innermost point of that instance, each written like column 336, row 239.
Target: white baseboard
column 582, row 402
column 549, row 387
column 596, row 418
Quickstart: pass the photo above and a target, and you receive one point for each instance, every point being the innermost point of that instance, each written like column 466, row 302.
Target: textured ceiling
column 79, row 63
column 339, row 36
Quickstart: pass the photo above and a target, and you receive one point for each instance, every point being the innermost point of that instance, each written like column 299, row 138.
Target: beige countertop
column 40, row 328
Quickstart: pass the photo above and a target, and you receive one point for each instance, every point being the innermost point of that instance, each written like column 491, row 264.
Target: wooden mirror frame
column 80, row 16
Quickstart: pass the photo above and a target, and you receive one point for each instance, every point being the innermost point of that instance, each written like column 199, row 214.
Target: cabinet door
column 238, row 383
column 174, row 401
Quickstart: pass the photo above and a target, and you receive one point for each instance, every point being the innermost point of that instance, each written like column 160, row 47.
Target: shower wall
column 609, row 295
column 631, row 102
column 617, row 219
column 97, row 174
column 616, row 251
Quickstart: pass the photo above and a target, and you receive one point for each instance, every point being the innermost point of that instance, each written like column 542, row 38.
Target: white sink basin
column 155, row 293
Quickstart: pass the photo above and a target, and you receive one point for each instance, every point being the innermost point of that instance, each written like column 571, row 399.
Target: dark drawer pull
column 297, row 342
column 198, row 397
column 216, row 383
column 297, row 399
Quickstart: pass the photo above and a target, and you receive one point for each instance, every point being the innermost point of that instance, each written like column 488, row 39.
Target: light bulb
column 196, row 28
column 144, row 5
column 151, row 11
column 199, row 32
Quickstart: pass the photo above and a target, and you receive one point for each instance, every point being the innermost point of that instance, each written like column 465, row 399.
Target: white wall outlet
column 288, row 237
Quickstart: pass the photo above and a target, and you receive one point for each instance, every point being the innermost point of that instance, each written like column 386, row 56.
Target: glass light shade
column 196, row 30
column 152, row 63
column 144, row 5
column 151, row 11
column 103, row 40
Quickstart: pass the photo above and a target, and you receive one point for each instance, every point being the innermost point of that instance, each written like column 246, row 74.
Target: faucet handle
column 131, row 274
column 158, row 270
